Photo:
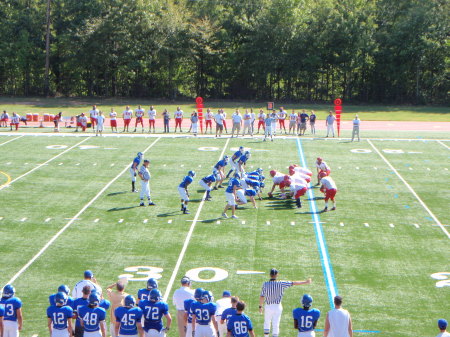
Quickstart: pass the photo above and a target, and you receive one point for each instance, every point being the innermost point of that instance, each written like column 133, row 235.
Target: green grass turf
column 383, row 273
column 73, row 106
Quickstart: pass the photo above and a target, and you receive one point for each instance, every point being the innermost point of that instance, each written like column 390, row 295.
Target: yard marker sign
column 338, row 111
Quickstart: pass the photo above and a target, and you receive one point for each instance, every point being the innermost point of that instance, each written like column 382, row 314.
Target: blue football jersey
column 91, row 317
column 306, row 318
column 209, row 179
column 239, row 325
column 153, row 313
column 136, row 162
column 128, row 318
column 186, row 181
column 268, row 121
column 143, row 294
column 250, row 192
column 11, row 305
column 203, row 312
column 187, row 308
column 236, row 155
column 77, row 304
column 220, row 163
column 243, row 159
column 69, row 302
column 233, row 182
column 252, row 182
column 59, row 316
column 2, row 311
column 227, row 313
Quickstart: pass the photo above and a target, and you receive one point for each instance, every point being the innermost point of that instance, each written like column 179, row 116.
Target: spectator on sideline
column 100, row 123
column 88, row 280
column 127, row 116
column 261, row 119
column 83, row 122
column 338, row 322
column 4, row 119
column 303, row 119
column 271, row 295
column 224, row 114
column 151, row 119
column 93, row 115
column 15, row 118
column 237, row 123
column 179, row 296
column 312, row 122
column 223, row 304
column 56, row 121
column 442, row 325
column 330, row 123
column 194, row 121
column 12, row 319
column 113, row 120
column 116, row 298
column 355, row 132
column 208, row 120
column 166, row 118
column 178, row 118
column 219, row 119
column 252, row 120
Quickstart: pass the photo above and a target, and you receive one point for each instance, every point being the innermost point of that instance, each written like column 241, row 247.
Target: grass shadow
column 115, row 193
column 116, row 209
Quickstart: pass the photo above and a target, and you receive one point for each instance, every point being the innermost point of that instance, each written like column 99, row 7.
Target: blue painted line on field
column 395, row 195
column 428, row 218
column 389, row 186
column 320, row 238
column 357, row 331
column 406, row 206
column 387, row 179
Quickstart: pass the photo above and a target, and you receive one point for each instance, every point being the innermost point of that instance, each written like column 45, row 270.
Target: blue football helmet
column 259, row 170
column 8, row 291
column 237, row 176
column 140, row 154
column 307, row 300
column 225, row 159
column 208, row 296
column 213, row 178
column 61, row 298
column 129, row 301
column 94, row 298
column 262, row 185
column 199, row 293
column 152, row 283
column 64, row 289
column 247, row 154
column 241, row 149
column 191, row 174
column 155, row 295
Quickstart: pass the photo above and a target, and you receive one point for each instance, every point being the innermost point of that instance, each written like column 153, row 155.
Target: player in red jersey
column 329, row 189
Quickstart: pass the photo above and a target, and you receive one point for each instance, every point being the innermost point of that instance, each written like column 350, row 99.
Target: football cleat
column 234, row 217
column 141, row 204
column 151, row 203
column 325, row 209
column 225, row 215
column 333, row 209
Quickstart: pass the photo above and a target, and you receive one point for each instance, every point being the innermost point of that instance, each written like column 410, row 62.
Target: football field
column 66, row 206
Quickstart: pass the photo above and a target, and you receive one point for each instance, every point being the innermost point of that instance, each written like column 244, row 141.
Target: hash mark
column 366, row 224
column 243, row 222
column 96, row 220
column 428, row 169
column 48, row 219
column 416, row 225
column 170, row 221
column 145, row 221
column 77, row 164
column 410, row 168
column 268, row 222
column 1, row 218
column 60, row 164
column 218, row 222
column 23, row 219
column 391, row 225
column 120, row 220
column 292, row 223
column 357, row 167
column 112, row 164
column 342, row 224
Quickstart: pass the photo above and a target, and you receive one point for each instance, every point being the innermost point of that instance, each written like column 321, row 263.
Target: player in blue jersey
column 128, row 319
column 154, row 309
column 198, row 293
column 226, row 314
column 2, row 314
column 12, row 320
column 305, row 319
column 134, row 169
column 242, row 162
column 93, row 317
column 203, row 314
column 183, row 191
column 60, row 316
column 234, row 160
column 230, row 194
column 240, row 325
column 77, row 304
column 219, row 171
column 145, row 292
column 64, row 289
column 206, row 183
column 241, row 195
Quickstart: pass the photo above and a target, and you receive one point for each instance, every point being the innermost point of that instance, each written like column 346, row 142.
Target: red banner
column 199, row 106
column 338, row 111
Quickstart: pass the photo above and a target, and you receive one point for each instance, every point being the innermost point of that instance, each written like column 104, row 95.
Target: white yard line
column 436, row 220
column 11, row 140
column 68, row 224
column 43, row 164
column 448, row 148
column 188, row 238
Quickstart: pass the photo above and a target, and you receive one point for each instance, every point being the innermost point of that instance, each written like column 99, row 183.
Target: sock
column 182, row 206
column 208, row 195
column 132, row 185
column 334, row 204
column 326, row 204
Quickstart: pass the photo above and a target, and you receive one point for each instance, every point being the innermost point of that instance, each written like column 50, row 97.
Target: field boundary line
column 448, row 148
column 40, row 165
column 436, row 220
column 11, row 140
column 62, row 230
column 327, row 268
column 188, row 237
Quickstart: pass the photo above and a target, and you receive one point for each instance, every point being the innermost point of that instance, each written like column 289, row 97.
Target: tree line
column 383, row 51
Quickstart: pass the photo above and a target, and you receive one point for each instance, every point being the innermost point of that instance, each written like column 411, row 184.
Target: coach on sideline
column 89, row 280
column 271, row 295
column 179, row 296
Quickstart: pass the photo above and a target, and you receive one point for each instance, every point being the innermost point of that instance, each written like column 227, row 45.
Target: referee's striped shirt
column 273, row 291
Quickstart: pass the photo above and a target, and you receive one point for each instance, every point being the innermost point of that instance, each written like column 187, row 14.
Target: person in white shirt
column 113, row 120
column 330, row 123
column 4, row 119
column 222, row 304
column 247, row 123
column 261, row 119
column 274, row 122
column 100, row 123
column 127, row 115
column 15, row 118
column 179, row 296
column 442, row 325
column 338, row 322
column 224, row 115
column 281, row 118
column 89, row 280
column 292, row 122
column 208, row 119
column 252, row 120
column 151, row 119
column 93, row 115
column 178, row 118
column 355, row 131
column 139, row 112
column 218, row 118
column 322, row 166
column 237, row 123
column 329, row 189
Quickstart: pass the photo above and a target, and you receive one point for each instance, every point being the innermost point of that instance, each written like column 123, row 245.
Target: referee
column 271, row 295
